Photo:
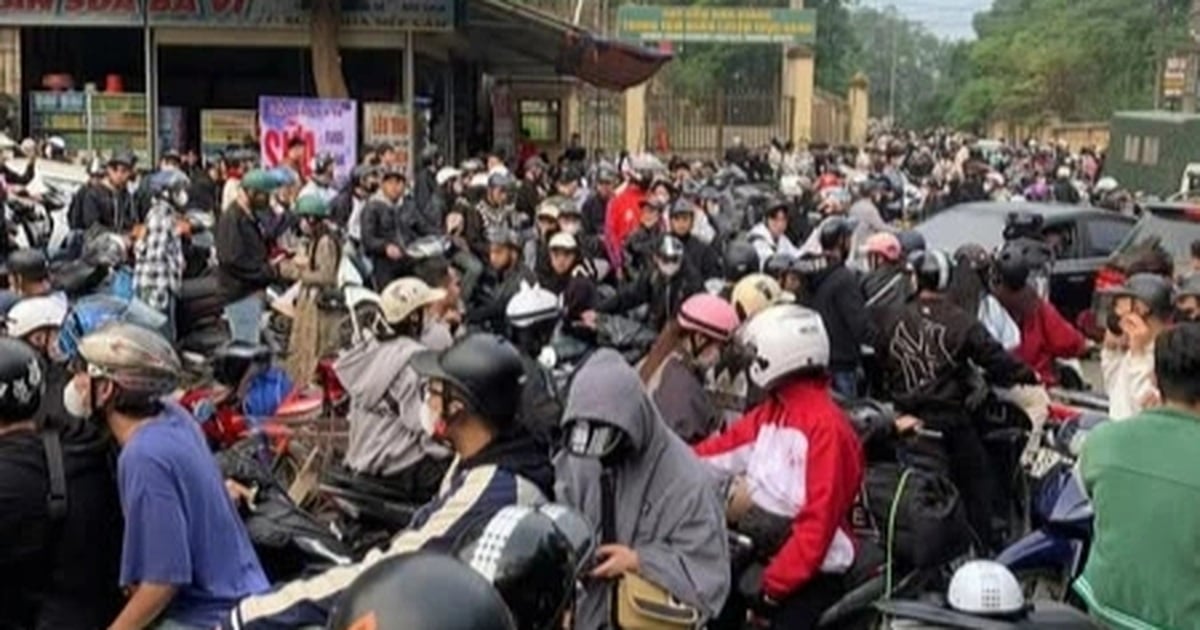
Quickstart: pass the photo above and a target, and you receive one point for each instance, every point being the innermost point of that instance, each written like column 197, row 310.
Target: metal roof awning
column 516, row 39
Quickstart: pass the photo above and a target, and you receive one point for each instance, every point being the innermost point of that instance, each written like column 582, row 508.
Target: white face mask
column 75, row 403
column 571, row 227
column 429, row 421
column 669, row 269
column 180, row 199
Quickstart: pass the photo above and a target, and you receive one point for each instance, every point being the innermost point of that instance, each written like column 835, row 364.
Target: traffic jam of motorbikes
column 935, row 380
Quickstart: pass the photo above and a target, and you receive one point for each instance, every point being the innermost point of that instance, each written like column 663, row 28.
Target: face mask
column 669, row 269
column 75, row 403
column 571, row 227
column 548, row 358
column 429, row 421
column 180, row 199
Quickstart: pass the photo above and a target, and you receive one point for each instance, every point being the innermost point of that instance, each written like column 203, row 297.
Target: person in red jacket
column 624, row 211
column 799, row 466
column 1045, row 334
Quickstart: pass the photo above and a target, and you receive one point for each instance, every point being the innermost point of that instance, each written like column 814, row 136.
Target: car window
column 1175, row 234
column 953, row 228
column 1104, row 236
column 1063, row 239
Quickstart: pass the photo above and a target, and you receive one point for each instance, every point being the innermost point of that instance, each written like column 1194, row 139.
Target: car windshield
column 952, row 229
column 1175, row 234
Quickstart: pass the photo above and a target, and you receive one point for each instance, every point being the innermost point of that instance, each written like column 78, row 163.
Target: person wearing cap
column 641, row 243
column 314, row 331
column 624, row 211
column 596, row 206
column 1187, row 300
column 663, row 286
column 244, row 268
column 1141, row 310
column 346, row 207
column 591, row 249
column 500, row 281
column 569, row 185
column 886, row 284
column 29, row 273
column 537, row 256
column 532, row 189
column 110, row 204
column 564, row 266
column 471, row 392
column 385, row 231
column 703, row 258
column 494, row 210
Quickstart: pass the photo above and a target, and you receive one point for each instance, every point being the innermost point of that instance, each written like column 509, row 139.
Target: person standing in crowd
column 501, row 281
column 110, row 205
column 700, row 256
column 186, row 558
column 641, row 243
column 865, row 211
column 59, row 547
column 595, row 209
column 1143, row 478
column 624, row 211
column 29, row 273
column 346, row 207
column 654, row 503
column 426, row 184
column 158, row 255
column 769, row 237
column 384, row 231
column 244, row 267
column 1141, row 310
column 320, row 179
column 206, row 185
column 532, row 189
column 833, row 291
column 664, row 286
column 314, row 332
column 471, row 391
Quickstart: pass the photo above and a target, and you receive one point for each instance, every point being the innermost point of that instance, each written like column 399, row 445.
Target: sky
column 945, row 18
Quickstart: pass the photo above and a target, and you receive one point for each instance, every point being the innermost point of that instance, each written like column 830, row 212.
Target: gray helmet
column 139, row 360
column 1152, row 290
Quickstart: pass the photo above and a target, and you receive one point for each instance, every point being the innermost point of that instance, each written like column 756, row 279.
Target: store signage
column 358, row 14
column 388, row 122
column 326, row 125
column 1174, row 79
column 223, row 128
column 717, row 24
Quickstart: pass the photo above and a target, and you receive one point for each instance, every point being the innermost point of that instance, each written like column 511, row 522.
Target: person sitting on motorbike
column 533, row 317
column 664, row 287
column 867, row 211
column 591, row 249
column 970, row 290
column 386, row 439
column 675, row 369
column 320, row 179
column 472, row 392
column 386, row 229
column 702, row 257
column 1143, row 477
column 244, row 266
column 886, row 284
column 928, row 350
column 346, row 207
column 833, row 290
column 29, row 273
column 1187, row 300
column 314, row 330
column 639, row 247
column 186, row 556
column 158, row 255
column 782, row 268
column 740, row 260
column 36, row 321
column 537, row 249
column 55, row 570
column 769, row 237
column 1141, row 310
column 1045, row 335
column 802, row 466
column 110, row 205
column 565, row 265
column 656, row 506
column 500, row 282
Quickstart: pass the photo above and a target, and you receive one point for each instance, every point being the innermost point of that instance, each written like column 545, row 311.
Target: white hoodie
column 1129, row 381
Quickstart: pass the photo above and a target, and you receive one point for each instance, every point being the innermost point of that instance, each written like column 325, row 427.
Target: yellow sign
column 717, row 24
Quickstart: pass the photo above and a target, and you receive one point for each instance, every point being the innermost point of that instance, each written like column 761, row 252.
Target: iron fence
column 703, row 127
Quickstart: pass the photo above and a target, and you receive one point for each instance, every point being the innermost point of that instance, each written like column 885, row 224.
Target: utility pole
column 1188, row 103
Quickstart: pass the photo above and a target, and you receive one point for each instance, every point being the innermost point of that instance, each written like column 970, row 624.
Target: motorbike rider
column 533, row 316
column 928, row 350
column 386, row 229
column 346, row 207
column 970, row 290
column 739, row 261
column 1187, row 300
column 1141, row 310
column 493, row 211
column 387, row 442
column 110, row 205
column 866, row 212
column 500, row 282
column 537, row 251
column 567, row 270
column 244, row 268
column 36, row 321
column 1142, row 477
column 158, row 255
column 186, row 555
column 641, row 243
column 427, row 179
column 624, row 211
column 419, row 591
column 472, row 391
column 802, row 466
column 567, row 185
column 59, row 547
column 591, row 249
column 663, row 287
column 675, row 369
column 657, row 507
column 833, row 291
column 320, row 178
column 596, row 207
column 769, row 237
column 699, row 255
column 9, row 177
column 532, row 189
column 886, row 285
column 29, row 273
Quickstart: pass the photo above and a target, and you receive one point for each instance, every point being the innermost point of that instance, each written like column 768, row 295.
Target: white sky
column 946, row 18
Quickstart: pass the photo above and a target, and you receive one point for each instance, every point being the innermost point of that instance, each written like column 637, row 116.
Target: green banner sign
column 717, row 24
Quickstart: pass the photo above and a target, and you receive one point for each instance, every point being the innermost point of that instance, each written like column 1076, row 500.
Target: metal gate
column 702, row 128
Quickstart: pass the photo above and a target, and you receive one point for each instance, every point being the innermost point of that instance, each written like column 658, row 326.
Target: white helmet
column 1106, row 185
column 36, row 313
column 791, row 186
column 984, row 587
column 446, row 174
column 785, row 339
column 532, row 304
column 404, row 296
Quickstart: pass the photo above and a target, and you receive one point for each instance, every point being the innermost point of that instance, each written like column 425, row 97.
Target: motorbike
column 926, row 614
column 38, row 222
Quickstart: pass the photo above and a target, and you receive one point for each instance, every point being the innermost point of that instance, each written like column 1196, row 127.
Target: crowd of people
column 633, row 340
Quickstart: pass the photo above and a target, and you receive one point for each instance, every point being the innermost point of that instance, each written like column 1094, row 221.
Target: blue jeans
column 244, row 318
column 845, row 382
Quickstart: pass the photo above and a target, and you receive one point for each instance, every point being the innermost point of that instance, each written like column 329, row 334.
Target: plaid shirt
column 158, row 271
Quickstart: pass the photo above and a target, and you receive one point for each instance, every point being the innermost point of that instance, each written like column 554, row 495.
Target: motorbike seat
column 256, row 353
column 342, row 480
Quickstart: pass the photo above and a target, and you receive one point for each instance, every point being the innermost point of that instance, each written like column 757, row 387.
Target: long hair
column 663, row 346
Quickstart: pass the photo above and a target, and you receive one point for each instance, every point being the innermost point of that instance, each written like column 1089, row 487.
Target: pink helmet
column 884, row 244
column 708, row 315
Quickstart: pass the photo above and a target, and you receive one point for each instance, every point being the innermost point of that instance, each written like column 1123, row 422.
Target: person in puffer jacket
column 801, row 463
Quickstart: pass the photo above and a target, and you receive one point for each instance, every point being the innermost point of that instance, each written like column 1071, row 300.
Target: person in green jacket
column 1144, row 479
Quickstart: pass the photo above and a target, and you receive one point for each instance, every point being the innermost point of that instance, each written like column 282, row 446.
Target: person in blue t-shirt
column 186, row 558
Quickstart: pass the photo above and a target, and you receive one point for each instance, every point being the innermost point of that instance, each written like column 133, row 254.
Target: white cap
column 562, row 240
column 446, row 174
column 548, row 209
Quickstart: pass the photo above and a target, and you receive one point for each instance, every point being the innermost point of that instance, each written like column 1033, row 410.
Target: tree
column 326, row 59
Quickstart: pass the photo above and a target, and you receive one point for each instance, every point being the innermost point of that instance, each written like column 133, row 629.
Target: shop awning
column 505, row 34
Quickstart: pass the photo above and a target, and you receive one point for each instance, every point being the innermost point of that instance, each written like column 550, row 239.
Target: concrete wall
column 1076, row 135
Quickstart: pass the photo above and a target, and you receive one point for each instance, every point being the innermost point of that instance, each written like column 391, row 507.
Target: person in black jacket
column 500, row 282
column 426, row 184
column 642, row 242
column 701, row 257
column 663, row 287
column 385, row 229
column 109, row 205
column 244, row 268
column 347, row 205
column 834, row 292
column 595, row 209
column 59, row 560
column 533, row 188
column 930, row 350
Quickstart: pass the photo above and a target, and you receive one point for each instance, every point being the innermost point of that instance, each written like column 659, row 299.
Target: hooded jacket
column 385, row 408
column 667, row 508
column 838, row 297
column 803, row 461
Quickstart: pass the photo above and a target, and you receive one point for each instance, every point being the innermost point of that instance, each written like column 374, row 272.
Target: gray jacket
column 385, row 408
column 667, row 508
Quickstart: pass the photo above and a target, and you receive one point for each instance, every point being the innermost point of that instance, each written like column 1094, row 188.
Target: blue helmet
column 168, row 181
column 94, row 312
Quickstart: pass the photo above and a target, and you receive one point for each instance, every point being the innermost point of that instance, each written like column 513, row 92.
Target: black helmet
column 1023, row 225
column 29, row 263
column 485, row 369
column 933, row 270
column 911, row 241
column 420, row 591
column 973, row 256
column 529, row 560
column 669, row 247
column 1018, row 259
column 21, row 379
column 834, row 230
column 1190, row 287
column 500, row 235
column 741, row 260
column 778, row 264
column 1151, row 289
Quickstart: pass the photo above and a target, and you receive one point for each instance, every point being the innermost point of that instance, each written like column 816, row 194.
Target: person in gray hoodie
column 666, row 521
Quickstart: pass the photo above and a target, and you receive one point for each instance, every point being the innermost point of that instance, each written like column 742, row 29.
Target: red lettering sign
column 26, row 5
column 100, row 6
column 275, row 143
column 173, row 6
column 228, row 6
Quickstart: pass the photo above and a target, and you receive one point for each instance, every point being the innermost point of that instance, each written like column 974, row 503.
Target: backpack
column 915, row 513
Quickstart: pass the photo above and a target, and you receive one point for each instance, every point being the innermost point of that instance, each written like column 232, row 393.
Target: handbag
column 644, row 605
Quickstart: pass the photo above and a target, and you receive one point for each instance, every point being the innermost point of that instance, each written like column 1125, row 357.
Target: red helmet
column 708, row 315
column 828, row 180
